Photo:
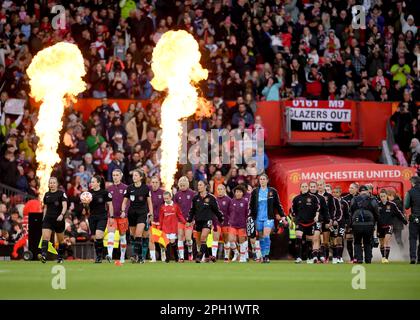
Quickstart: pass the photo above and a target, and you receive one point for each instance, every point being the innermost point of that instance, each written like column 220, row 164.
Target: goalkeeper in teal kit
column 264, row 208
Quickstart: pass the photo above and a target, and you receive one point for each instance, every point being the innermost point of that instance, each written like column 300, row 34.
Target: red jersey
column 169, row 216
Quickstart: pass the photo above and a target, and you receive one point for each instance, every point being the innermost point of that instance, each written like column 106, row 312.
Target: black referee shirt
column 138, row 198
column 54, row 202
column 97, row 207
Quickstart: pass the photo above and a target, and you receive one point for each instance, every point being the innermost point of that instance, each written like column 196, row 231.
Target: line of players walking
column 319, row 220
column 324, row 218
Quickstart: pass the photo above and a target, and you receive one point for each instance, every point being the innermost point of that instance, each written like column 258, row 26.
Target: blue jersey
column 262, row 205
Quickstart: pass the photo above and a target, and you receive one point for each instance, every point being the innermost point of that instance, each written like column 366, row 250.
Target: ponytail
column 101, row 181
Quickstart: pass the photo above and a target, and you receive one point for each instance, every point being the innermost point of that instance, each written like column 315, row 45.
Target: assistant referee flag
column 50, row 247
column 159, row 236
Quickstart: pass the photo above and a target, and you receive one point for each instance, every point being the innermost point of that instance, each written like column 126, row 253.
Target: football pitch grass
column 277, row 280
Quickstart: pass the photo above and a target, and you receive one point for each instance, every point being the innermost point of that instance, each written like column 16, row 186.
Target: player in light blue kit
column 264, row 207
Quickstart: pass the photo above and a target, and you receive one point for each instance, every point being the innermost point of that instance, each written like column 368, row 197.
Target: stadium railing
column 83, row 250
column 16, row 196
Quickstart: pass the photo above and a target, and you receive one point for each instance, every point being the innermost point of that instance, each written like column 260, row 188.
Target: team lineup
column 321, row 221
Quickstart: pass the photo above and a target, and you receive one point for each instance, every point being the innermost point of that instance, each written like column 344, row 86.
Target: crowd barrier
column 16, row 196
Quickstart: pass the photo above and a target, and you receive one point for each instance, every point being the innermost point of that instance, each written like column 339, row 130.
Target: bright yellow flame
column 55, row 74
column 176, row 67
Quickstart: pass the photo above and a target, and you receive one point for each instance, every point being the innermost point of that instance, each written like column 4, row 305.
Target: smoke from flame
column 176, row 67
column 55, row 74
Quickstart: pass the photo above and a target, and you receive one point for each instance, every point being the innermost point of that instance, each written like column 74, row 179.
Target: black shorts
column 51, row 223
column 384, row 230
column 200, row 225
column 338, row 231
column 134, row 218
column 97, row 223
column 308, row 230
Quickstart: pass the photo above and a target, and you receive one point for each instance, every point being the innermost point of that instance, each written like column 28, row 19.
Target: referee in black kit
column 412, row 201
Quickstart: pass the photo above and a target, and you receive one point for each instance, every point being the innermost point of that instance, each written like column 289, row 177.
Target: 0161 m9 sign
column 319, row 116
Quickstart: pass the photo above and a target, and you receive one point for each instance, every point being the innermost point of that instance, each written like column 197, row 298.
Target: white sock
column 189, row 246
column 123, row 246
column 258, row 249
column 181, row 249
column 214, row 248
column 153, row 255
column 234, row 248
column 162, row 254
column 246, row 249
column 110, row 244
column 253, row 247
column 243, row 250
column 227, row 249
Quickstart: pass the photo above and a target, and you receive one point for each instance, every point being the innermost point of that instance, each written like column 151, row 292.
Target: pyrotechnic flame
column 55, row 74
column 176, row 67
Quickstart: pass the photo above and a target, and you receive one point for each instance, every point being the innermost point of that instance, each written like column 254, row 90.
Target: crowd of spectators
column 254, row 50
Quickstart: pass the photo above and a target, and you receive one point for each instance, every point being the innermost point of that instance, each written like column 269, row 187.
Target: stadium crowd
column 254, row 51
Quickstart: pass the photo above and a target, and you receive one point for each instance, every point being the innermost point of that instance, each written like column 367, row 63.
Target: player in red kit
column 169, row 216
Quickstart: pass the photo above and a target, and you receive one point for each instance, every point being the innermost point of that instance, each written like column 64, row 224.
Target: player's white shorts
column 171, row 236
